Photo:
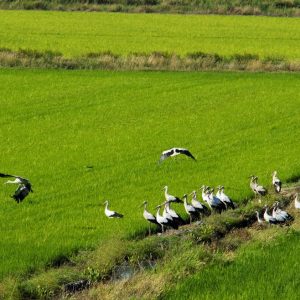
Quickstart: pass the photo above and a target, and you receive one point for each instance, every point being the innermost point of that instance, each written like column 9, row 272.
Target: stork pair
column 260, row 190
column 278, row 215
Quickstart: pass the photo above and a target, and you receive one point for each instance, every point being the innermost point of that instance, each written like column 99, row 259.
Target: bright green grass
column 78, row 33
column 55, row 123
column 259, row 272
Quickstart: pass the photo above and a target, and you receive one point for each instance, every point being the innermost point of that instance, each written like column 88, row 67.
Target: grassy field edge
column 289, row 8
column 159, row 61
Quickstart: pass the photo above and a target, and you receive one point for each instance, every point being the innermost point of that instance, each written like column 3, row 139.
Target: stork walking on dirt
column 256, row 188
column 276, row 182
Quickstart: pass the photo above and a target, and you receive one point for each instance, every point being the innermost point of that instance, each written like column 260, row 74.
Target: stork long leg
column 190, row 219
column 149, row 229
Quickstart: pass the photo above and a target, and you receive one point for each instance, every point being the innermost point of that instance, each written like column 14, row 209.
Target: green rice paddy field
column 56, row 123
column 77, row 33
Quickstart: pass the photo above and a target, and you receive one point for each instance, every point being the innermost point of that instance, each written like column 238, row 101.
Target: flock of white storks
column 195, row 209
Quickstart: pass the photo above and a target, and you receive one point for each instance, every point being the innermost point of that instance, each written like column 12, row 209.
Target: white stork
column 175, row 151
column 215, row 203
column 276, row 182
column 224, row 198
column 24, row 186
column 280, row 215
column 162, row 221
column 110, row 213
column 297, row 202
column 200, row 208
column 175, row 216
column 148, row 216
column 170, row 198
column 205, row 193
column 259, row 220
column 169, row 217
column 268, row 218
column 256, row 188
column 190, row 209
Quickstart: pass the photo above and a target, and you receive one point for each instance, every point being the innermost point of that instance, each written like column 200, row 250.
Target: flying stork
column 110, row 213
column 171, row 198
column 276, row 182
column 148, row 216
column 224, row 198
column 175, row 151
column 23, row 189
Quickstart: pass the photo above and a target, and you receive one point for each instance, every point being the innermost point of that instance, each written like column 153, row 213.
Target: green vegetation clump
column 237, row 7
column 107, row 60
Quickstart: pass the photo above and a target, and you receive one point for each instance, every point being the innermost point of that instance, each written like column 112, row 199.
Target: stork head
column 204, row 188
column 105, row 202
column 274, row 173
column 144, row 203
column 193, row 193
column 165, row 188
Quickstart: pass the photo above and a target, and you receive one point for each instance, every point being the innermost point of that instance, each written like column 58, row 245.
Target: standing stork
column 200, row 208
column 190, row 209
column 162, row 221
column 169, row 217
column 224, row 198
column 110, row 213
column 215, row 203
column 175, row 151
column 276, row 182
column 205, row 193
column 170, row 198
column 148, row 216
column 297, row 202
column 268, row 218
column 281, row 215
column 176, row 217
column 23, row 189
column 256, row 188
column 259, row 220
